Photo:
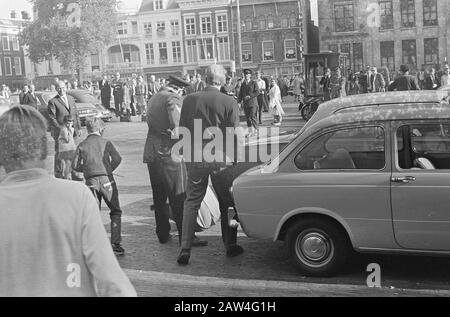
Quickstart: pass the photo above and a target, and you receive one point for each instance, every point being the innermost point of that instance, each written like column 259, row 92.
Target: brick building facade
column 273, row 35
column 386, row 32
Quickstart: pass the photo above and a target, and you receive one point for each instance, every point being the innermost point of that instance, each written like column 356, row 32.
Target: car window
column 423, row 146
column 345, row 149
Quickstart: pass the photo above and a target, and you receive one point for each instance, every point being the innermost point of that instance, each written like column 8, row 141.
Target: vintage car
column 369, row 173
column 84, row 110
column 85, row 97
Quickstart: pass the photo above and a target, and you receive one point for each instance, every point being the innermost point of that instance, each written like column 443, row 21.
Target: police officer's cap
column 248, row 71
column 178, row 82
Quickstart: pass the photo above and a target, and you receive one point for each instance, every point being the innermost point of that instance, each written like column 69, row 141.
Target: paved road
column 263, row 270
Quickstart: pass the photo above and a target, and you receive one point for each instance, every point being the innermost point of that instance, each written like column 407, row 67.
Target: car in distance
column 85, row 97
column 368, row 173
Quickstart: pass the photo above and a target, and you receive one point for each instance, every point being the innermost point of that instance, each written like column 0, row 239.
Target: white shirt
column 445, row 80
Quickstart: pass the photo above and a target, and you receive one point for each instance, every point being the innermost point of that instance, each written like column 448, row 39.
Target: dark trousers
column 118, row 101
column 106, row 102
column 262, row 105
column 197, row 185
column 59, row 173
column 168, row 183
column 251, row 115
column 105, row 188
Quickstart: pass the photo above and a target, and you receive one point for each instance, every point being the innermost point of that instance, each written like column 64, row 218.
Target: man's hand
column 247, row 98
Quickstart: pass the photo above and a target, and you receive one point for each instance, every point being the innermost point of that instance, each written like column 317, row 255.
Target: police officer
column 167, row 176
column 248, row 97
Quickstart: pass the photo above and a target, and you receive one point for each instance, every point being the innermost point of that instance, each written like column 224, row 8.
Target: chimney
column 13, row 14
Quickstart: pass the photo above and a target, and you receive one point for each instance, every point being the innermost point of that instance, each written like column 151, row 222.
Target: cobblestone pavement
column 263, row 270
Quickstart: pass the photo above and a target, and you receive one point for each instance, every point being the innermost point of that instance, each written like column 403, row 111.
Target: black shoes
column 183, row 258
column 117, row 249
column 234, row 251
column 197, row 243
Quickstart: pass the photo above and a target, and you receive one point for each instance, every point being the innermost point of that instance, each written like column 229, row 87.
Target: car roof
column 78, row 92
column 383, row 106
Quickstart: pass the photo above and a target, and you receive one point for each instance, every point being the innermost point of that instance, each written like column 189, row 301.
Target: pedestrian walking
column 325, row 82
column 352, row 85
column 141, row 94
column 105, row 92
column 66, row 147
column 199, row 84
column 58, row 108
column 275, row 102
column 376, row 83
column 97, row 158
column 215, row 111
column 262, row 97
column 431, row 80
column 167, row 176
column 228, row 88
column 338, row 84
column 248, row 97
column 364, row 80
column 405, row 81
column 117, row 88
column 153, row 87
column 421, row 76
column 53, row 242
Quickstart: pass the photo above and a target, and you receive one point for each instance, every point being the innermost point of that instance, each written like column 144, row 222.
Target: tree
column 70, row 31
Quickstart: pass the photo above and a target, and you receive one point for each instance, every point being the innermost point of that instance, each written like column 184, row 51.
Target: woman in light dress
column 275, row 103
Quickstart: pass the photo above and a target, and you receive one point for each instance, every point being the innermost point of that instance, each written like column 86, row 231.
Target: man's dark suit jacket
column 249, row 89
column 29, row 99
column 404, row 83
column 57, row 110
column 105, row 89
column 213, row 109
column 430, row 82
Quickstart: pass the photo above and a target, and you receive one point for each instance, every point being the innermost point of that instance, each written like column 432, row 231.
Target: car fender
column 314, row 211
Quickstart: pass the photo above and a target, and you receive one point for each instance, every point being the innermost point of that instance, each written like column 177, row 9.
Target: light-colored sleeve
column 109, row 278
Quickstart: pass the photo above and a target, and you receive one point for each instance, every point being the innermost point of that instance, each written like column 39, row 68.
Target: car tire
column 318, row 247
column 307, row 112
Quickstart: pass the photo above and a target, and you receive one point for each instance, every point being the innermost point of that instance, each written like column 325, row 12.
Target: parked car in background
column 84, row 97
column 84, row 110
column 364, row 174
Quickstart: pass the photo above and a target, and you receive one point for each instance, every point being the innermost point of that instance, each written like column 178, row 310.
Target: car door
column 345, row 172
column 420, row 184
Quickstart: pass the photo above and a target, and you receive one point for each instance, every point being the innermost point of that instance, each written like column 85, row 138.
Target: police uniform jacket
column 250, row 89
column 163, row 115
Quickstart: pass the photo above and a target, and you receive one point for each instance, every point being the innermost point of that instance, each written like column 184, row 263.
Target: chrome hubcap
column 314, row 249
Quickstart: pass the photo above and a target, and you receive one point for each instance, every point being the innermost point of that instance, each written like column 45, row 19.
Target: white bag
column 209, row 213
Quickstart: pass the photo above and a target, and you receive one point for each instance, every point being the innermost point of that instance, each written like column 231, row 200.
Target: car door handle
column 405, row 179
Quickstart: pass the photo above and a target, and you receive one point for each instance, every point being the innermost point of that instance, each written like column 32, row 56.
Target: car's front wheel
column 318, row 246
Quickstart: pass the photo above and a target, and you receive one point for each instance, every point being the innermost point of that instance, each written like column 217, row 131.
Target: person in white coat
column 275, row 103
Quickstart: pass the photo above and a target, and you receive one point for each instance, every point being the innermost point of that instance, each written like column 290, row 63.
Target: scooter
column 309, row 106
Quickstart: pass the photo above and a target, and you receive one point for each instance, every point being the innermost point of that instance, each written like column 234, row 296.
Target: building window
column 347, row 49
column 358, row 60
column 8, row 66
column 206, row 49
column 163, row 54
column 176, row 51
column 124, row 54
column 95, row 62
column 290, row 50
column 246, row 52
column 175, row 27
column 158, row 4
column 134, row 27
column 270, row 22
column 409, row 53
column 262, row 22
column 223, row 49
column 333, row 48
column 191, row 51
column 15, row 43
column 248, row 24
column 5, row 43
column 431, row 51
column 344, row 17
column 293, row 20
column 408, row 12
column 284, row 22
column 122, row 28
column 148, row 30
column 386, row 15
column 387, row 54
column 268, row 51
column 190, row 26
column 222, row 23
column 430, row 13
column 206, row 25
column 161, row 29
column 150, row 53
column 17, row 66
